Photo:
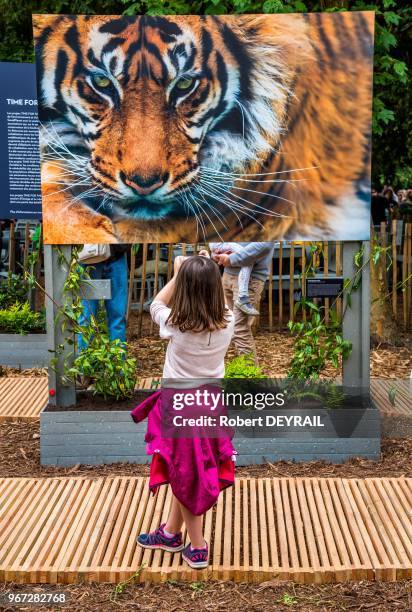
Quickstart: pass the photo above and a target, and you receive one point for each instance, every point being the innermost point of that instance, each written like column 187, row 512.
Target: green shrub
column 13, row 290
column 20, row 319
column 243, row 366
column 105, row 362
column 316, row 345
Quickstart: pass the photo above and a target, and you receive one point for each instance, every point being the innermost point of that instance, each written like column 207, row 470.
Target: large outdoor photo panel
column 186, row 128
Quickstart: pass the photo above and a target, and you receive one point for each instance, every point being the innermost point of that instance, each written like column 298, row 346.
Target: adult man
column 258, row 255
column 114, row 269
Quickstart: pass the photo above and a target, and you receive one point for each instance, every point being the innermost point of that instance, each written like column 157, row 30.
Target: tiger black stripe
column 133, row 49
column 237, row 50
column 85, row 118
column 92, row 97
column 113, row 64
column 153, row 49
column 116, row 26
column 199, row 100
column 191, row 58
column 72, row 39
column 347, row 45
column 40, row 47
column 363, row 34
column 93, row 59
column 59, row 75
column 99, row 170
column 168, row 30
column 207, row 47
column 112, row 44
column 330, row 52
column 174, row 53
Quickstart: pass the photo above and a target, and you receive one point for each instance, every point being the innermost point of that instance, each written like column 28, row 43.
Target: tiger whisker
column 232, row 205
column 216, row 212
column 228, row 179
column 210, row 220
column 196, row 210
column 253, row 204
column 213, row 170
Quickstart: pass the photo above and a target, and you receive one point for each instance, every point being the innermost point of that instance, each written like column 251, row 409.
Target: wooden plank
column 394, row 270
column 405, row 275
column 142, row 288
column 339, row 273
column 169, row 261
column 63, row 530
column 12, row 248
column 22, row 398
column 326, row 274
column 291, row 282
column 26, row 246
column 270, row 295
column 131, row 281
column 303, row 282
column 409, row 273
column 280, row 293
column 156, row 279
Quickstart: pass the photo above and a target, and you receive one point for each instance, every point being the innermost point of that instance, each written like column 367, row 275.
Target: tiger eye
column 184, row 83
column 101, row 81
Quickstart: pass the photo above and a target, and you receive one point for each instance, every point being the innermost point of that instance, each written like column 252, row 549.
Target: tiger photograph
column 197, row 128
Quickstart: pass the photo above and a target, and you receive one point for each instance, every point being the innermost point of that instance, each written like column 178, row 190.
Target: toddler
column 243, row 300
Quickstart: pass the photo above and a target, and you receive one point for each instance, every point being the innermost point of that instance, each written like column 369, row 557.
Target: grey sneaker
column 247, row 308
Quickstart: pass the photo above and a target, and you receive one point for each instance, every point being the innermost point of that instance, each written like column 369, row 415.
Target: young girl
column 191, row 313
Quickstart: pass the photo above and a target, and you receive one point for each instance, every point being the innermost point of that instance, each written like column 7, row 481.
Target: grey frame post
column 55, row 276
column 356, row 322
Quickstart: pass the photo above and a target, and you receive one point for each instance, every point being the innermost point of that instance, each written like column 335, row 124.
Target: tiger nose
column 145, row 185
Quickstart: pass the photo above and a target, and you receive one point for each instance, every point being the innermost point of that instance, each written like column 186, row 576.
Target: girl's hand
column 178, row 262
column 204, row 253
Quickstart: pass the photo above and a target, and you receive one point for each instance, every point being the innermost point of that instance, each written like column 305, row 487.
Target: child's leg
column 243, row 281
column 194, row 527
column 243, row 300
column 175, row 519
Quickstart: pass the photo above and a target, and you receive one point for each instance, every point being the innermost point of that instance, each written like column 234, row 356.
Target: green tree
column 392, row 145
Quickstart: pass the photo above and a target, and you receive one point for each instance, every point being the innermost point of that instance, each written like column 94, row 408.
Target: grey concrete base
column 24, row 351
column 86, row 437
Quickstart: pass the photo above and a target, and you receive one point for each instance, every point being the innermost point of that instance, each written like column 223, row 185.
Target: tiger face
column 243, row 127
column 148, row 106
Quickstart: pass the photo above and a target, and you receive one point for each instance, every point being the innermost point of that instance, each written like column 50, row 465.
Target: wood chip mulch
column 274, row 351
column 20, row 457
column 222, row 596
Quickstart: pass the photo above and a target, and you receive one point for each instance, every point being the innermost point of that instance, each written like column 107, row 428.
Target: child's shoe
column 197, row 558
column 158, row 539
column 246, row 307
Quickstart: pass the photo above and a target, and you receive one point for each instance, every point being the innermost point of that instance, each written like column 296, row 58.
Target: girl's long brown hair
column 198, row 302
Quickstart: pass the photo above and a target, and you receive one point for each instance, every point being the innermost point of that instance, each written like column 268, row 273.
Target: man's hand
column 204, row 253
column 223, row 259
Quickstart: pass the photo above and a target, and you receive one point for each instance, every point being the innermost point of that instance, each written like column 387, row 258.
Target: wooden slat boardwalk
column 64, row 530
column 22, row 399
column 402, row 396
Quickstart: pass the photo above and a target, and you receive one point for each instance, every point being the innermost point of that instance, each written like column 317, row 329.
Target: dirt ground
column 20, row 457
column 274, row 351
column 228, row 596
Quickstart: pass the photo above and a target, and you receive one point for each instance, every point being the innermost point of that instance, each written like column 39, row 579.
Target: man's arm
column 247, row 255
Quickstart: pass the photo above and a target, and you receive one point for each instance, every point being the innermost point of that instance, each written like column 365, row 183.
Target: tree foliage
column 392, row 145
